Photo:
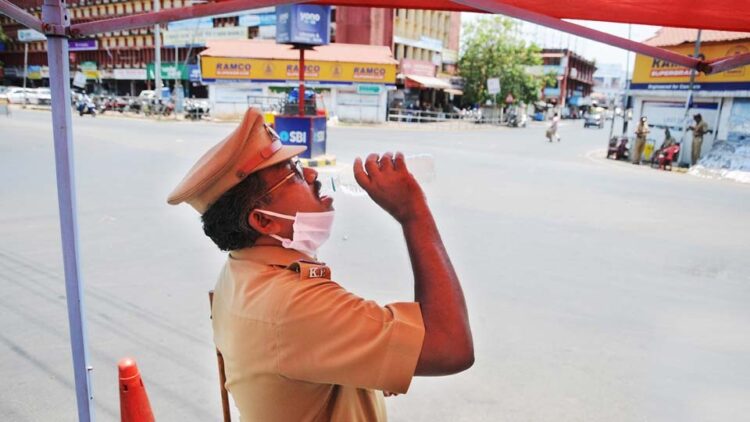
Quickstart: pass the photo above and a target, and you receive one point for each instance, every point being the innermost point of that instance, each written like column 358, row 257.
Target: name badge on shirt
column 308, row 270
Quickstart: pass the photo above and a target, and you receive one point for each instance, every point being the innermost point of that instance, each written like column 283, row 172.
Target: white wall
column 228, row 99
column 354, row 107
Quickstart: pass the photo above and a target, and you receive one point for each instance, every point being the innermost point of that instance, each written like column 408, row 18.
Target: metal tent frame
column 55, row 24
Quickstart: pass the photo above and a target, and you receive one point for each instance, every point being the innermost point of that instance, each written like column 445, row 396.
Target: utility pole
column 157, row 52
column 689, row 102
column 627, row 86
column 25, row 70
column 178, row 94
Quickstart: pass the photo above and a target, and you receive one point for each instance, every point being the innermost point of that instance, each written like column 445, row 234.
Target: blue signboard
column 196, row 23
column 82, row 45
column 305, row 24
column 258, row 19
column 194, row 73
column 303, row 131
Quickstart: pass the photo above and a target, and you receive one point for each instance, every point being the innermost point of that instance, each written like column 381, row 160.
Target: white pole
column 25, row 70
column 54, row 13
column 157, row 52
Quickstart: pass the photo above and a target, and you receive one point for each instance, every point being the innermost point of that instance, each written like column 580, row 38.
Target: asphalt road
column 598, row 291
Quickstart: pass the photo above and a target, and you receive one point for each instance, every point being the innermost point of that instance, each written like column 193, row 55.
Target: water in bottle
column 341, row 180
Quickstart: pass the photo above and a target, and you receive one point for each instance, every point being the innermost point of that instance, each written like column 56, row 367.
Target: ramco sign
column 233, row 69
column 369, row 73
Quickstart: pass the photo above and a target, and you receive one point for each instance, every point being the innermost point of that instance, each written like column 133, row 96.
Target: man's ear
column 262, row 224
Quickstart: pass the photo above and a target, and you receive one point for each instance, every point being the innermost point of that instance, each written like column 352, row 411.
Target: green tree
column 491, row 48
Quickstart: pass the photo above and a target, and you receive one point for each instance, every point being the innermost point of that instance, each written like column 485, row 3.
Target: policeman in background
column 668, row 142
column 298, row 346
column 640, row 139
column 699, row 129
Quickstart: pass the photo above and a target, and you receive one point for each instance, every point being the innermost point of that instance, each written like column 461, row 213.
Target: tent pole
column 54, row 13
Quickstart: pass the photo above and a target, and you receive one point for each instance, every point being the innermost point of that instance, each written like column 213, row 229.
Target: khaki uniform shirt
column 642, row 130
column 298, row 347
column 700, row 129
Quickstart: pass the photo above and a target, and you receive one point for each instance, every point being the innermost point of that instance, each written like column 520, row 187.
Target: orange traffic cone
column 134, row 405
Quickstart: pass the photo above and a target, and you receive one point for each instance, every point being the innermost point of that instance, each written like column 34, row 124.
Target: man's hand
column 389, row 183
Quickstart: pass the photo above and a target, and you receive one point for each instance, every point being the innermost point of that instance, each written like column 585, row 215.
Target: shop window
column 118, row 9
column 137, row 7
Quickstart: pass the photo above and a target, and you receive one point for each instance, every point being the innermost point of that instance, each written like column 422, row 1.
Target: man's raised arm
column 448, row 346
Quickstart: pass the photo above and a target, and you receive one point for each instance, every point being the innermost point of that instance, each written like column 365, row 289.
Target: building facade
column 426, row 44
column 574, row 82
column 123, row 62
column 609, row 84
column 660, row 89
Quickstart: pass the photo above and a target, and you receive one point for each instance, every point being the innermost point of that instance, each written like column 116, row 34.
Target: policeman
column 699, row 129
column 298, row 346
column 640, row 139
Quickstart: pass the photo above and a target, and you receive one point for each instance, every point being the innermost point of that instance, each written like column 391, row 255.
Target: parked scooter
column 84, row 105
column 517, row 120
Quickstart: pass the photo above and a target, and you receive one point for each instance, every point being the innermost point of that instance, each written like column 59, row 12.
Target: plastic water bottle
column 342, row 181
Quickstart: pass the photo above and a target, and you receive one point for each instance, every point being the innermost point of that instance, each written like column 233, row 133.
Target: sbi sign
column 308, row 131
column 293, row 137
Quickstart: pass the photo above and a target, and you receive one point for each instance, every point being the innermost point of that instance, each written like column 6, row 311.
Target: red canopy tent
column 724, row 15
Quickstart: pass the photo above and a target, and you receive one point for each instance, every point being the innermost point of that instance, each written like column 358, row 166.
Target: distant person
column 553, row 128
column 668, row 142
column 699, row 129
column 640, row 139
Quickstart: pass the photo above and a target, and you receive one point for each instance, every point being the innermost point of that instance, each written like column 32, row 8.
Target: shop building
column 425, row 42
column 119, row 62
column 353, row 80
column 660, row 89
column 574, row 83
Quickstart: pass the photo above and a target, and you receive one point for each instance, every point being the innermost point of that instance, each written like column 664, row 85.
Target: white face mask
column 311, row 230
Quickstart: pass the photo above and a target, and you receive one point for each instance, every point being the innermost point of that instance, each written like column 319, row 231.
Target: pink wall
column 364, row 25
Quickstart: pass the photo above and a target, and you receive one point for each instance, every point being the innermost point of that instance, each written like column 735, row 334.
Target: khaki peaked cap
column 251, row 147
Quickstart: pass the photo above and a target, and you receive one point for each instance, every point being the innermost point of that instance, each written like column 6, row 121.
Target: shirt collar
column 269, row 255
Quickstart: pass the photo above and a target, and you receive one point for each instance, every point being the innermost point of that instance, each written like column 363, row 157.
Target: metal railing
column 469, row 118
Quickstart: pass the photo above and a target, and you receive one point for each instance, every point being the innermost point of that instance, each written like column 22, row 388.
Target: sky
column 603, row 53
